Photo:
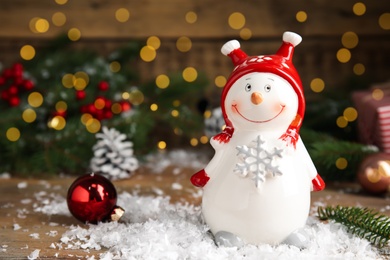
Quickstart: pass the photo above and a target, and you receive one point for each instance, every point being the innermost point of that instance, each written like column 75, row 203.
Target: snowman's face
column 261, row 101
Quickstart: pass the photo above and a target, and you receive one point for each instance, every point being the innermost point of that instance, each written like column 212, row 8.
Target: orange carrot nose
column 256, row 98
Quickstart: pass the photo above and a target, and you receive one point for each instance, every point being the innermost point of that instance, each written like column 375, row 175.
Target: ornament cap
column 116, row 213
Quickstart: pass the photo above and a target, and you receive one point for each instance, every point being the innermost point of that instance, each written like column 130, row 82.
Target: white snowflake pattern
column 256, row 162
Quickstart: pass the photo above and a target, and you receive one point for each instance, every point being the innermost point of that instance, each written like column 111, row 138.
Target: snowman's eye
column 248, row 87
column 267, row 88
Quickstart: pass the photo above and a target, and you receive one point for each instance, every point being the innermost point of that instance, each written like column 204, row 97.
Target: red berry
column 80, row 94
column 103, row 85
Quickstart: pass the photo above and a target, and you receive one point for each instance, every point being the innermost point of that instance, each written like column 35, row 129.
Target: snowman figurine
column 256, row 188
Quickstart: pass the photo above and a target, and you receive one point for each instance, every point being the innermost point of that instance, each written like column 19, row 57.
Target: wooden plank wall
column 267, row 20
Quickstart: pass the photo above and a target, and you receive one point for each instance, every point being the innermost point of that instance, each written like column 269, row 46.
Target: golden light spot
column 13, row 134
column 162, row 81
column 176, row 103
column 174, row 113
column 384, row 21
column 245, row 33
column 115, row 66
column 136, row 97
column 341, row 163
column 194, row 142
column 74, row 34
column 183, row 44
column 350, row 113
column 204, row 139
column 317, row 85
column 116, row 108
column 343, row 55
column 342, row 122
column 93, row 125
column 207, row 114
column 29, row 115
column 68, row 80
column 220, row 81
column 81, row 75
column 99, row 103
column 61, row 106
column 154, row 42
column 190, row 74
column 153, row 107
column 32, row 23
column 57, row 123
column 359, row 8
column 161, row 145
column 61, row 2
column 58, row 19
column 191, row 17
column 122, row 15
column 301, row 16
column 79, row 83
column 236, row 20
column 35, row 99
column 377, row 94
column 350, row 40
column 27, row 52
column 148, row 53
column 41, row 25
column 85, row 118
column 125, row 95
column 359, row 69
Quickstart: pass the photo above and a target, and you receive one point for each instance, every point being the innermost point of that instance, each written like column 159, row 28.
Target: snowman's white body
column 280, row 205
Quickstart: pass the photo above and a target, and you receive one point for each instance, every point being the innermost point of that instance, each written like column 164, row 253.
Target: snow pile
column 152, row 228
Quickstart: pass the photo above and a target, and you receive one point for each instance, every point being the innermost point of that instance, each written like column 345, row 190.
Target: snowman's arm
column 317, row 183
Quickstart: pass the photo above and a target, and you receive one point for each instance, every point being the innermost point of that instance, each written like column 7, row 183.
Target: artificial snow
column 154, row 228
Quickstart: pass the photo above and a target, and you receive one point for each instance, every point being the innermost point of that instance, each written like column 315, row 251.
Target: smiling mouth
column 259, row 121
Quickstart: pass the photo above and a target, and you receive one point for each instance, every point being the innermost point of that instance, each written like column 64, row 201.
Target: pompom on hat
column 279, row 64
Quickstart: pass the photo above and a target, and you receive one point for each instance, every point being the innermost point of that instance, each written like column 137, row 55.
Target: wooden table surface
column 24, row 230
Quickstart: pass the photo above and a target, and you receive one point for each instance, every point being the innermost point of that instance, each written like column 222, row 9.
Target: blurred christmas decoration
column 92, row 199
column 53, row 105
column 213, row 122
column 362, row 222
column 374, row 173
column 113, row 155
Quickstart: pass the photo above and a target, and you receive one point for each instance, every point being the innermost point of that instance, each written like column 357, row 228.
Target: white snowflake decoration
column 113, row 156
column 256, row 162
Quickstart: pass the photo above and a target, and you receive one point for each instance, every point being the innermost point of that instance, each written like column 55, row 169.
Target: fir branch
column 362, row 222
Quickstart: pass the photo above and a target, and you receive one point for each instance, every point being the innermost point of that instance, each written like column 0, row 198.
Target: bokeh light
column 191, row 17
column 148, row 53
column 115, row 66
column 342, row 122
column 153, row 107
column 27, row 52
column 68, row 80
column 162, row 81
column 350, row 40
column 384, row 21
column 136, row 97
column 220, row 81
column 359, row 69
column 35, row 99
column 359, row 8
column 204, row 139
column 377, row 94
column 29, row 115
column 161, row 145
column 183, row 44
column 190, row 74
column 58, row 19
column 194, row 142
column 122, row 15
column 245, row 33
column 341, row 163
column 61, row 106
column 93, row 125
column 317, row 85
column 116, row 108
column 236, row 20
column 99, row 103
column 154, row 42
column 80, row 80
column 61, row 2
column 85, row 118
column 57, row 123
column 350, row 113
column 13, row 134
column 343, row 55
column 301, row 16
column 74, row 34
column 175, row 113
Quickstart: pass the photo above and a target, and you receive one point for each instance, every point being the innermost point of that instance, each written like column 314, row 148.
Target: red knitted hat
column 279, row 64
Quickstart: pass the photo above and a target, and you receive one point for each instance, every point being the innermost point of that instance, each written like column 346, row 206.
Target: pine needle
column 362, row 222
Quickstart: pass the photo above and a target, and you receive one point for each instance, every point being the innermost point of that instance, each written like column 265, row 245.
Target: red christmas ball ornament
column 103, row 85
column 92, row 199
column 374, row 173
